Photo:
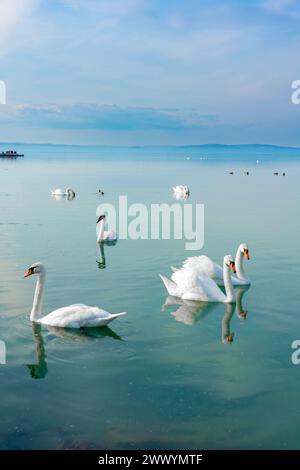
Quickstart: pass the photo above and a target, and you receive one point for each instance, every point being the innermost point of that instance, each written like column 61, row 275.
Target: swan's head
column 229, row 261
column 229, row 338
column 35, row 268
column 70, row 192
column 244, row 250
column 101, row 217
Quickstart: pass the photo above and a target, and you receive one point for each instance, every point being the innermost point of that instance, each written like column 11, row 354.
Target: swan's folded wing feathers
column 196, row 287
column 184, row 278
column 204, row 264
column 200, row 262
column 75, row 316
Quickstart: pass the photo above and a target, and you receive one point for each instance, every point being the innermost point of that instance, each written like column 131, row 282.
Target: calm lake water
column 160, row 377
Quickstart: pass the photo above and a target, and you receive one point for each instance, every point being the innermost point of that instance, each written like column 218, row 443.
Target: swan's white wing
column 185, row 278
column 109, row 236
column 173, row 269
column 201, row 264
column 205, row 265
column 194, row 287
column 171, row 287
column 77, row 316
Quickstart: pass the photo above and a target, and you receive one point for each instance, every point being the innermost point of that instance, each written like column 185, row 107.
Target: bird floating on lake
column 181, row 190
column 187, row 285
column 276, row 173
column 104, row 235
column 203, row 265
column 63, row 192
column 72, row 316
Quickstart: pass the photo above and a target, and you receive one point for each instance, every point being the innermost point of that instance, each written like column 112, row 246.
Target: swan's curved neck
column 226, row 321
column 38, row 297
column 240, row 273
column 228, row 283
column 101, row 230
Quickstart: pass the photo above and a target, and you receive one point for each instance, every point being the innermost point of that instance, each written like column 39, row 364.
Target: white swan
column 72, row 316
column 104, row 235
column 181, row 196
column 205, row 265
column 181, row 190
column 187, row 285
column 63, row 192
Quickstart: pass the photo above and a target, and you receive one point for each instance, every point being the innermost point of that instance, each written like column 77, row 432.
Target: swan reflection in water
column 40, row 369
column 60, row 197
column 189, row 312
column 102, row 260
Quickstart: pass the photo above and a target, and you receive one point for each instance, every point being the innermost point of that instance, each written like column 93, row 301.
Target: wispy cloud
column 110, row 117
column 12, row 12
column 281, row 7
column 112, row 8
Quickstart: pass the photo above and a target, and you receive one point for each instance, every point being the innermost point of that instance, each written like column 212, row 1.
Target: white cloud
column 11, row 14
column 278, row 6
column 111, row 8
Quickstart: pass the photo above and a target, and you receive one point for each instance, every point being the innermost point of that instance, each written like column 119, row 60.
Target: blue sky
column 149, row 71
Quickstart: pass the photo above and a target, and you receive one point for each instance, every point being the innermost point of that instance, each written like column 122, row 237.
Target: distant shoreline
column 136, row 146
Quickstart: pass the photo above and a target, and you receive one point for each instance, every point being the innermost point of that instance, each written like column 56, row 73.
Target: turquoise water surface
column 162, row 376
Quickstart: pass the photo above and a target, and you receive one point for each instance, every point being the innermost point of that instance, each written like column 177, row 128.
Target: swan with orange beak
column 186, row 284
column 205, row 265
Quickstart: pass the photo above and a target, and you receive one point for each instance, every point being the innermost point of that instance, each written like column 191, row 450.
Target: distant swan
column 181, row 190
column 63, row 192
column 187, row 285
column 72, row 316
column 104, row 235
column 205, row 265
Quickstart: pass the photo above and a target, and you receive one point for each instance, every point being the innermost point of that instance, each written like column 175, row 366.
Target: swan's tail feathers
column 173, row 269
column 116, row 315
column 169, row 285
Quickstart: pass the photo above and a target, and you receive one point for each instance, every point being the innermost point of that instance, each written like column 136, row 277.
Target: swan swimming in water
column 72, row 316
column 187, row 285
column 104, row 235
column 205, row 265
column 181, row 190
column 63, row 192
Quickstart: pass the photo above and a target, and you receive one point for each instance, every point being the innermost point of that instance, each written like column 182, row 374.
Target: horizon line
column 154, row 145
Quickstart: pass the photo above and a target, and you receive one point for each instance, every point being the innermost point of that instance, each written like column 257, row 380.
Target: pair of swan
column 104, row 235
column 186, row 284
column 199, row 278
column 72, row 316
column 205, row 265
